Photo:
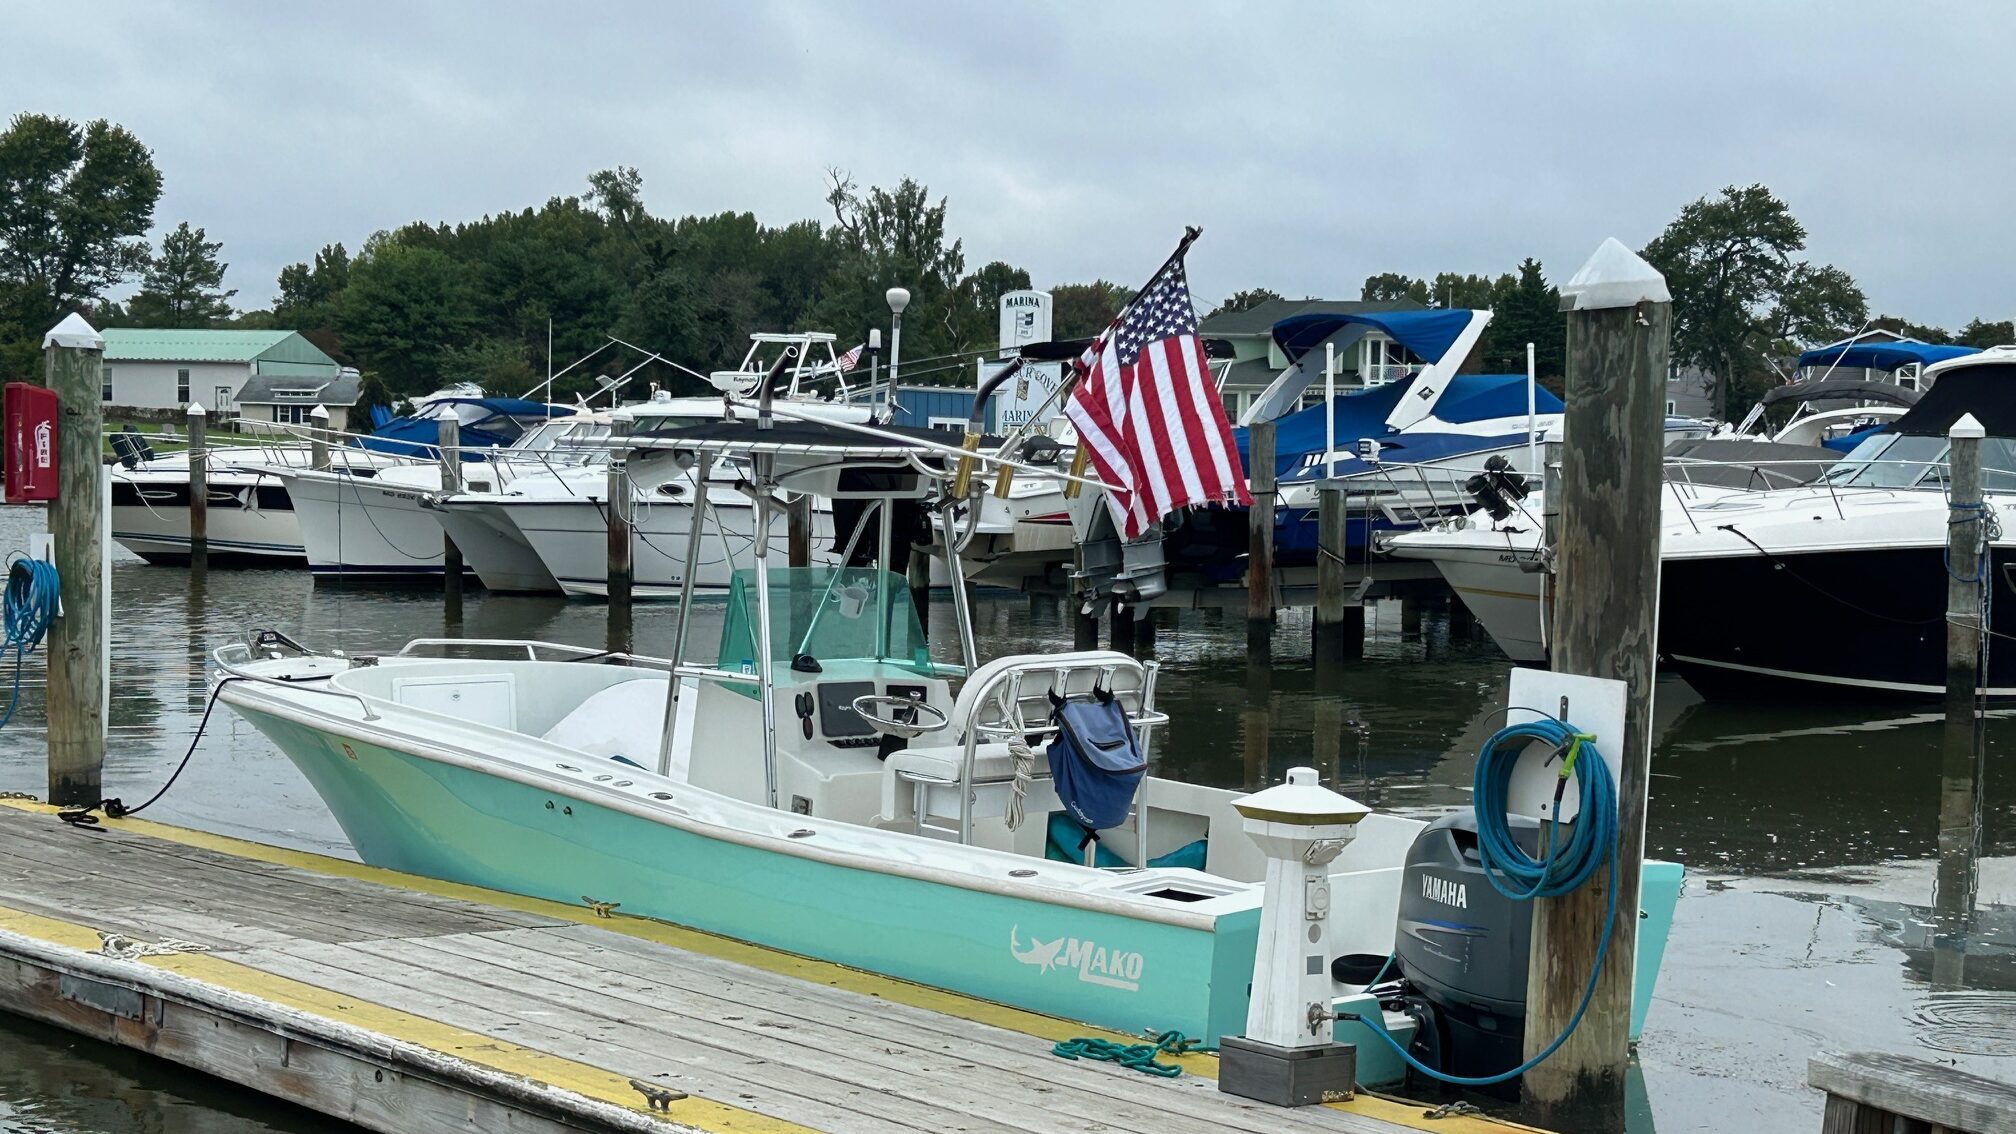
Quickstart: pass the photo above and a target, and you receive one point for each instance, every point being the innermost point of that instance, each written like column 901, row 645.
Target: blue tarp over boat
column 486, row 423
column 1428, row 333
column 1885, row 355
column 1469, row 397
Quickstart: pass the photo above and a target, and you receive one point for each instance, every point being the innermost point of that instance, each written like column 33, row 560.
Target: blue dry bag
column 1095, row 760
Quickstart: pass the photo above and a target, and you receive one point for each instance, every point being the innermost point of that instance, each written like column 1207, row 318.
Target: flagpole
column 1072, row 372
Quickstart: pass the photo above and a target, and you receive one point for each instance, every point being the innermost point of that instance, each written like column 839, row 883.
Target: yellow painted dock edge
column 592, row 1082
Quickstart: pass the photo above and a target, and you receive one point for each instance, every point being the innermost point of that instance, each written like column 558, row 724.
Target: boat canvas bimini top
column 824, row 783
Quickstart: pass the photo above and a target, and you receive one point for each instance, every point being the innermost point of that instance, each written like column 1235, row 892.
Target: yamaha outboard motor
column 1461, row 946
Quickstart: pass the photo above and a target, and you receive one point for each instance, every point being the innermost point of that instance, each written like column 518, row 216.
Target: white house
column 156, row 371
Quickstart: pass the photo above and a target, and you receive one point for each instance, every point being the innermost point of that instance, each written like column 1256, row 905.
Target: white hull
column 248, row 517
column 571, row 539
column 372, row 528
column 492, row 546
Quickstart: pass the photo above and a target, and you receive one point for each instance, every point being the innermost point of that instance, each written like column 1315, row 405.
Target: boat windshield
column 1909, row 460
column 845, row 618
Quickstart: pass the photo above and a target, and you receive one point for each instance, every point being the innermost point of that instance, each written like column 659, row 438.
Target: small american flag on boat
column 851, row 359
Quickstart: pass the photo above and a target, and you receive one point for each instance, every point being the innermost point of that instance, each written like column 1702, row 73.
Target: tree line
column 425, row 305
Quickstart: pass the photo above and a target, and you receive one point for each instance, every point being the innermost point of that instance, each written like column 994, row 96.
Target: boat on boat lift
column 823, row 780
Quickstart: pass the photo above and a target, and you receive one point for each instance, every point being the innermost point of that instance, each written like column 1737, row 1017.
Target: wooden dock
column 410, row 1005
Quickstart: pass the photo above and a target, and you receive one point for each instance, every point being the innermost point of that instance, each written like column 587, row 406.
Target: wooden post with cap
column 199, row 488
column 448, row 442
column 73, row 362
column 621, row 574
column 318, row 438
column 1956, row 882
column 1620, row 319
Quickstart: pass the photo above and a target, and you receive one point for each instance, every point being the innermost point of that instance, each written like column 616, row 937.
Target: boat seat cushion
column 626, row 719
column 943, row 762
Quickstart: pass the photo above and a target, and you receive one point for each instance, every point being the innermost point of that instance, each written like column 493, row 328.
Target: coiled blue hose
column 27, row 607
column 1558, row 870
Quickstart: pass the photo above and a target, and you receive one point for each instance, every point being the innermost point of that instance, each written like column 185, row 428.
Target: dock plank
column 779, row 1033
column 762, row 1042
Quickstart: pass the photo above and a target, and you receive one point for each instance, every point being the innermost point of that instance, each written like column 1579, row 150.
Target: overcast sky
column 1316, row 144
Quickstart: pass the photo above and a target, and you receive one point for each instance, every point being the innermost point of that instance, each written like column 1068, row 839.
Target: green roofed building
column 155, row 371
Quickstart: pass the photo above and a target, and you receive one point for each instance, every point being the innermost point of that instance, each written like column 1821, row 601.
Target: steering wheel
column 932, row 719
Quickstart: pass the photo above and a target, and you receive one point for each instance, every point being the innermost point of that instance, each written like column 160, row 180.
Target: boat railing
column 234, row 673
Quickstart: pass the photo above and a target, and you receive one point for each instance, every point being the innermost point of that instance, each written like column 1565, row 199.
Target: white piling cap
column 319, row 413
column 1968, row 426
column 74, row 333
column 1614, row 277
column 1303, row 801
column 196, row 409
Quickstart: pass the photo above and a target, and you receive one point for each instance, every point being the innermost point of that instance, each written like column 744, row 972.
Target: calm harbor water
column 1810, row 832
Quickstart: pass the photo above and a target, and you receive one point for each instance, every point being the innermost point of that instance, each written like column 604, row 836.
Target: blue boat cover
column 1884, row 356
column 1427, row 333
column 1469, row 397
column 486, row 422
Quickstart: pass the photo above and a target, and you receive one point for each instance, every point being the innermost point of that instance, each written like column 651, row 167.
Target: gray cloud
column 1316, row 143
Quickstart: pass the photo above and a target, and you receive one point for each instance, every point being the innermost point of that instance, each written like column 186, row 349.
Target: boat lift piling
column 1605, row 615
column 1968, row 572
column 621, row 575
column 1339, row 627
column 448, row 443
column 73, row 365
column 199, row 490
column 1260, row 550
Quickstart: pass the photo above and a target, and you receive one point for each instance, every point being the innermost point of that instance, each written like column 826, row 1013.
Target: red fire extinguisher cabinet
column 29, row 415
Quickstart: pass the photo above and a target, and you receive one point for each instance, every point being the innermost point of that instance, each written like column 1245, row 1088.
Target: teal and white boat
column 822, row 786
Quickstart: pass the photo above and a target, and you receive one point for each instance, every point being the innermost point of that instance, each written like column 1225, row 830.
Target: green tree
column 371, row 394
column 1528, row 310
column 75, row 203
column 1080, row 311
column 1244, row 300
column 404, row 307
column 184, row 285
column 885, row 238
column 1391, row 287
column 1729, row 263
column 1923, row 332
column 497, row 365
column 1984, row 335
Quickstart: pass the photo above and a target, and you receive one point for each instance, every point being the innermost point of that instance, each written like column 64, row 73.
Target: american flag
column 848, row 361
column 1148, row 415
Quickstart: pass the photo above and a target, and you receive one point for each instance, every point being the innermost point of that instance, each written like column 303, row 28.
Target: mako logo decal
column 1094, row 963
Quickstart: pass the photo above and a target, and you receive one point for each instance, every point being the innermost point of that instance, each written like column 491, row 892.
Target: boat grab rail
column 236, row 674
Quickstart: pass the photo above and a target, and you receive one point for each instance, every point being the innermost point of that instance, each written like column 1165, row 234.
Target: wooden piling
column 448, row 441
column 1605, row 616
column 621, row 576
column 199, row 488
column 1340, row 622
column 1260, row 550
column 798, row 530
column 73, row 365
column 1084, row 624
column 1121, row 623
column 1967, row 564
column 1144, row 634
column 318, row 439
